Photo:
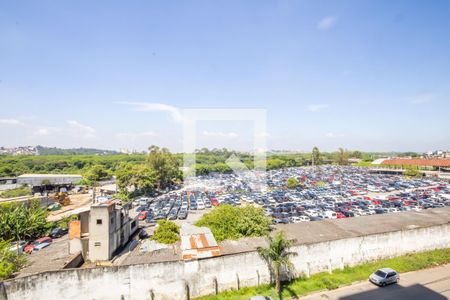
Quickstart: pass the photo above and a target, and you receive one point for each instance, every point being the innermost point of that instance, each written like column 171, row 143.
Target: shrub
column 167, row 232
column 228, row 222
column 17, row 192
column 10, row 261
column 292, row 183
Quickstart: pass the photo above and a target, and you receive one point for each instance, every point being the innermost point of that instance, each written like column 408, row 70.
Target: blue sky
column 367, row 75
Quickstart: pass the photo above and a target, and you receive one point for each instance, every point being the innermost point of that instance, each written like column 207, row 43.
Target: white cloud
column 173, row 111
column 422, row 98
column 78, row 129
column 220, row 134
column 12, row 122
column 317, row 107
column 327, row 23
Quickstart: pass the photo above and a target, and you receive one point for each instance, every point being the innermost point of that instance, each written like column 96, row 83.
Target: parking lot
column 328, row 192
column 54, row 257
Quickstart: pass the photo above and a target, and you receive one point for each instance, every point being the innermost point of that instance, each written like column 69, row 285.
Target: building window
column 112, row 220
column 99, row 222
column 97, row 244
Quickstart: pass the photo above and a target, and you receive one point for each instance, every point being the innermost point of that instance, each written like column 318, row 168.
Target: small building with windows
column 101, row 231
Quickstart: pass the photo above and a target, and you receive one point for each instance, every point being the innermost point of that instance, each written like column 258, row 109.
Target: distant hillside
column 41, row 150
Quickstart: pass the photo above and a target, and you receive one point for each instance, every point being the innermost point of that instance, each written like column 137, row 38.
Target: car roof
column 387, row 270
column 42, row 239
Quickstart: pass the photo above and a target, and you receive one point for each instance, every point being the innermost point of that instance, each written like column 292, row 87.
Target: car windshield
column 380, row 273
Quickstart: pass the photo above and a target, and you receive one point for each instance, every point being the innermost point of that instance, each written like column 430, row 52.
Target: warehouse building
column 37, row 180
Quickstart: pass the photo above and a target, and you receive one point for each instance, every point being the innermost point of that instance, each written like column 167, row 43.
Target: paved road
column 430, row 284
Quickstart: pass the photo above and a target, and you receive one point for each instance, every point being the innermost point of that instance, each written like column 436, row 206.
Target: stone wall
column 177, row 280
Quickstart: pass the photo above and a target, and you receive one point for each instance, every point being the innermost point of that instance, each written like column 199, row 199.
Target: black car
column 348, row 214
column 58, row 232
column 143, row 234
column 380, row 210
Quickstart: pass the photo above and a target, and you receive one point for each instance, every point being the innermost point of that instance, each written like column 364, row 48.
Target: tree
column 167, row 232
column 277, row 256
column 341, row 157
column 292, row 183
column 165, row 165
column 96, row 173
column 316, row 156
column 357, row 154
column 412, row 172
column 229, row 222
column 140, row 178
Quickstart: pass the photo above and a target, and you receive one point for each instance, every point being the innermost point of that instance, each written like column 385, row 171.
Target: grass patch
column 17, row 192
column 321, row 281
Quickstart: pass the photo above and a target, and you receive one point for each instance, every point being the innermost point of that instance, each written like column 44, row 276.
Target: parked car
column 53, row 207
column 38, row 244
column 58, row 232
column 182, row 215
column 143, row 234
column 18, row 246
column 384, row 276
column 142, row 215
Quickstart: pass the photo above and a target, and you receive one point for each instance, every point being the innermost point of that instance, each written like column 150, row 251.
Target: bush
column 412, row 172
column 292, row 183
column 17, row 192
column 228, row 222
column 10, row 261
column 167, row 232
column 19, row 221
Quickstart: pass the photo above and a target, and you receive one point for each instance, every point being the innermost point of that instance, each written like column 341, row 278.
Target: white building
column 102, row 230
column 54, row 179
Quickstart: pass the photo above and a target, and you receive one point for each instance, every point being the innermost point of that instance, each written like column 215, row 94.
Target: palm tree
column 277, row 256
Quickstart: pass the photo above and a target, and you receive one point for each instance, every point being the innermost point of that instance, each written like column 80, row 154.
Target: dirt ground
column 78, row 201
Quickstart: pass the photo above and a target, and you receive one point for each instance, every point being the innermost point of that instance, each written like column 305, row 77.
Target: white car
column 200, row 205
column 416, row 208
column 304, row 219
column 295, row 219
column 329, row 214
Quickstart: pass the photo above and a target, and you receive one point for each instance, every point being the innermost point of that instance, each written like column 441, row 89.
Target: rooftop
column 316, row 232
column 327, row 230
column 49, row 175
column 444, row 162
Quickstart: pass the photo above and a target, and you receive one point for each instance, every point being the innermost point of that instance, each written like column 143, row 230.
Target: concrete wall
column 173, row 280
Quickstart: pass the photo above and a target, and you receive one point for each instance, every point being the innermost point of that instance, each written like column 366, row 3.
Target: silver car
column 384, row 276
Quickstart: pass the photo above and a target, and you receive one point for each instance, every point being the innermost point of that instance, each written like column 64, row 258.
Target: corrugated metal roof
column 198, row 242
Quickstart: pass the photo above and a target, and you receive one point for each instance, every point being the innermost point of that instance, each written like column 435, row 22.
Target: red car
column 340, row 215
column 214, row 202
column 38, row 244
column 142, row 215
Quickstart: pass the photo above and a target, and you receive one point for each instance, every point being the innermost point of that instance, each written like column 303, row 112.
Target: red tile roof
column 445, row 162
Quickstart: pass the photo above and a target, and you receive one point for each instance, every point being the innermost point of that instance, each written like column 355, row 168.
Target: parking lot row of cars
column 175, row 205
column 328, row 192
